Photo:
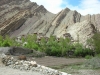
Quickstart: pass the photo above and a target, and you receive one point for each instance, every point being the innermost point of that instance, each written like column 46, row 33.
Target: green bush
column 88, row 57
column 51, row 47
column 6, row 44
column 6, row 41
column 95, row 42
column 78, row 49
column 1, row 40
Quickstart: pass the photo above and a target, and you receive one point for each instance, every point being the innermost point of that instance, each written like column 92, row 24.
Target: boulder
column 22, row 57
column 20, row 51
column 5, row 50
column 15, row 50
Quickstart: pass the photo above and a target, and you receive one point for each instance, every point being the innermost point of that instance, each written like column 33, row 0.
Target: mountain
column 22, row 17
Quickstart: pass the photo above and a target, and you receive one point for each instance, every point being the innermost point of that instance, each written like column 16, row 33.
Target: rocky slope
column 22, row 17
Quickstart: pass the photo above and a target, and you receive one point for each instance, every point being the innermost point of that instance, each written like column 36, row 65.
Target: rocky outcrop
column 22, row 17
column 16, row 51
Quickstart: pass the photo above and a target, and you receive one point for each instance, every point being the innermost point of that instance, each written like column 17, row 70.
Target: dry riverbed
column 68, row 65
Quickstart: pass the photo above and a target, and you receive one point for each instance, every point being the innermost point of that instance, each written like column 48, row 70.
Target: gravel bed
column 28, row 67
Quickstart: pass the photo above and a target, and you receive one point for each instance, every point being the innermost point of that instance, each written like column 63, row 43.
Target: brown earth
column 65, row 62
column 51, row 61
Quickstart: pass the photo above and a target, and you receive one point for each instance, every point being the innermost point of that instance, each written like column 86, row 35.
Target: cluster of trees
column 55, row 47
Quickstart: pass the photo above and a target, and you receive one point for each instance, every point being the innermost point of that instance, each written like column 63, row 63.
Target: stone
column 15, row 51
column 22, row 57
column 21, row 51
column 16, row 63
column 33, row 63
column 5, row 50
column 63, row 73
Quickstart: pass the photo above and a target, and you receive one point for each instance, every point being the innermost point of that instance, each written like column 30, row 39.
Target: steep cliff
column 22, row 17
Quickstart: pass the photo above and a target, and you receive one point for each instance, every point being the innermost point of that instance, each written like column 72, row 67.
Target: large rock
column 81, row 31
column 15, row 50
column 20, row 51
column 5, row 50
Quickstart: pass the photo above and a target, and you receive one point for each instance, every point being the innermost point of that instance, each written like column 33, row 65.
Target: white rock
column 69, row 74
column 33, row 62
column 3, row 55
column 43, row 67
column 22, row 61
column 11, row 58
column 63, row 73
column 25, row 64
column 38, row 65
column 16, row 63
column 25, row 43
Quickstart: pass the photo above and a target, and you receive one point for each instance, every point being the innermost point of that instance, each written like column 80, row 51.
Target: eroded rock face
column 22, row 17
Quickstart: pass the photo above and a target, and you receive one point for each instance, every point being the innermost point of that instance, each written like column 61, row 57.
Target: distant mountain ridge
column 22, row 17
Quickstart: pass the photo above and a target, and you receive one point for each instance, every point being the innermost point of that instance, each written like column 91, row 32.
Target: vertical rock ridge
column 22, row 17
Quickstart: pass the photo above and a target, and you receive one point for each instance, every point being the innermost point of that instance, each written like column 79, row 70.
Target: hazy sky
column 82, row 6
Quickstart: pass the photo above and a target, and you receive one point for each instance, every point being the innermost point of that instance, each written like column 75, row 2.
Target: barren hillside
column 22, row 17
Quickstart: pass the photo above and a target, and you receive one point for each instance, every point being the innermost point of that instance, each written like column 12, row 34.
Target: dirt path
column 51, row 61
column 54, row 61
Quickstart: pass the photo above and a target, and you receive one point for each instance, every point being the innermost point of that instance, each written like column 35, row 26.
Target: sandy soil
column 51, row 61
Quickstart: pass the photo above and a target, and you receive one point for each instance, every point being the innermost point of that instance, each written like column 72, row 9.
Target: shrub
column 95, row 42
column 78, row 49
column 1, row 40
column 6, row 41
column 88, row 57
column 51, row 47
column 6, row 44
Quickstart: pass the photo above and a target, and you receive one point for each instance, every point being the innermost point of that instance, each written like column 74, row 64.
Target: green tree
column 96, row 42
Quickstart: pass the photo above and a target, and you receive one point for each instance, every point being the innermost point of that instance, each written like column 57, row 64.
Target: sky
column 82, row 6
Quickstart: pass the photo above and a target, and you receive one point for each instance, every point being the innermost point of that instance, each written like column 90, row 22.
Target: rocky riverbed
column 48, row 61
column 27, row 66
